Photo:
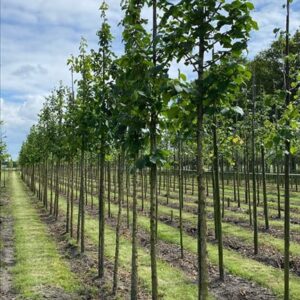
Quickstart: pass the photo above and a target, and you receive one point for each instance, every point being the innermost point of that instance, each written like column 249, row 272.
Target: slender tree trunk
column 278, row 190
column 255, row 237
column 92, row 183
column 51, row 187
column 127, row 196
column 142, row 187
column 79, row 204
column 68, row 201
column 217, row 200
column 223, row 186
column 202, row 226
column 134, row 254
column 180, row 183
column 234, row 182
column 248, row 184
column 72, row 198
column 56, row 194
column 85, row 188
column 245, row 176
column 108, row 187
column 81, row 199
column 120, row 201
column 153, row 171
column 33, row 179
column 264, row 187
column 287, row 163
column 39, row 181
column 101, row 214
column 214, row 201
column 238, row 179
column 45, row 200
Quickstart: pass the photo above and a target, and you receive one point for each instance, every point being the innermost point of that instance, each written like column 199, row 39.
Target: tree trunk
column 264, row 187
column 101, row 214
column 202, row 226
column 287, row 164
column 68, row 200
column 134, row 254
column 255, row 237
column 120, row 201
column 56, row 194
column 108, row 187
column 72, row 199
column 81, row 199
column 180, row 183
column 278, row 190
column 217, row 200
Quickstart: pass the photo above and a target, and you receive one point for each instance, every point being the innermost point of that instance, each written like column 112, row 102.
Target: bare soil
column 85, row 265
column 7, row 253
column 233, row 288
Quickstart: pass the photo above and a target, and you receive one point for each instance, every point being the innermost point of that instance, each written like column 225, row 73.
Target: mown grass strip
column 235, row 263
column 295, row 196
column 39, row 267
column 243, row 234
column 172, row 282
column 236, row 215
column 272, row 210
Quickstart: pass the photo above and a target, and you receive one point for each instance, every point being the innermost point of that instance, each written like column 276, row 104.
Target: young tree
column 101, row 66
column 2, row 149
column 197, row 27
column 136, row 97
column 83, row 117
column 287, row 87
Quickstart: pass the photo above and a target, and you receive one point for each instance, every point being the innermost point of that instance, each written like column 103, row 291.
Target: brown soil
column 85, row 265
column 232, row 288
column 243, row 223
column 267, row 254
column 7, row 253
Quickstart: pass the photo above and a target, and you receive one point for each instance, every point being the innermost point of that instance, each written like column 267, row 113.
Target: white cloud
column 270, row 14
column 18, row 117
column 38, row 36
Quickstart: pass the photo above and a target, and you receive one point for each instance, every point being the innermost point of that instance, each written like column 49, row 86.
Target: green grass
column 38, row 264
column 173, row 283
column 245, row 235
column 235, row 215
column 235, row 263
column 294, row 196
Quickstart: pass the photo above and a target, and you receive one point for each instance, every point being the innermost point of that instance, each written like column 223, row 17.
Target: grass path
column 240, row 215
column 243, row 234
column 234, row 262
column 39, row 270
column 173, row 283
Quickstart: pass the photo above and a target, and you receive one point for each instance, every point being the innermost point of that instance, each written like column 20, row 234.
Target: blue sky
column 37, row 37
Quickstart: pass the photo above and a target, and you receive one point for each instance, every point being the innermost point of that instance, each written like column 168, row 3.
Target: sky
column 38, row 36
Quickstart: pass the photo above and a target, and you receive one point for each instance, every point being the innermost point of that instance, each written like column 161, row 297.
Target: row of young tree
column 240, row 114
column 3, row 153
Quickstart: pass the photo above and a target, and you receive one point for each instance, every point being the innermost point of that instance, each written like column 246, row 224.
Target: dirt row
column 232, row 288
column 7, row 254
column 84, row 265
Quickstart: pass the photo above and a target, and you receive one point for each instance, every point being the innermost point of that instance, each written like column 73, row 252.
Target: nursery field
column 166, row 162
column 40, row 260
